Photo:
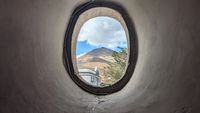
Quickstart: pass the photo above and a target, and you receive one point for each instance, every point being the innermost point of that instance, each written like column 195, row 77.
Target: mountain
column 100, row 58
column 101, row 52
column 98, row 55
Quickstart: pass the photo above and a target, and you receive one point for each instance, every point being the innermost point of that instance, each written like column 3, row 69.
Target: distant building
column 90, row 76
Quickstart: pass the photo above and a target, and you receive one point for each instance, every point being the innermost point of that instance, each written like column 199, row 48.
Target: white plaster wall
column 33, row 78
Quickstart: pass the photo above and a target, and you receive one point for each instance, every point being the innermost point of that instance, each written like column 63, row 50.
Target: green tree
column 117, row 69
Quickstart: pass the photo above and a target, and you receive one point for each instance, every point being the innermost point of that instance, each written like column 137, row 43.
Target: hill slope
column 97, row 55
column 100, row 58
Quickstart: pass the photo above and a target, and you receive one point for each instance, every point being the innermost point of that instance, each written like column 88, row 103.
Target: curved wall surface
column 33, row 78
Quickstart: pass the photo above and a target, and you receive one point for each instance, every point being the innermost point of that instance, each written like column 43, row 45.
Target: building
column 90, row 76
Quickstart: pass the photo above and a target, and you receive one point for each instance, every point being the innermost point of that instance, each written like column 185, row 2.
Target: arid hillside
column 100, row 58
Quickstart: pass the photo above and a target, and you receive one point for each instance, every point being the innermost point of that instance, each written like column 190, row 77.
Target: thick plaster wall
column 33, row 78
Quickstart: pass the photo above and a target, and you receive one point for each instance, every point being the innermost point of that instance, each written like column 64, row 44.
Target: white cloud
column 103, row 31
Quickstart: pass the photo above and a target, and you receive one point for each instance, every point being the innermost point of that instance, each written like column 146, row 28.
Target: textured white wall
column 34, row 80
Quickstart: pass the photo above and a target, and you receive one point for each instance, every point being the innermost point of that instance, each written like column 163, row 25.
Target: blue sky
column 100, row 32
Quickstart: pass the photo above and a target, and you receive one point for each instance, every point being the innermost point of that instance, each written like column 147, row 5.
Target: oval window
column 100, row 47
column 101, row 51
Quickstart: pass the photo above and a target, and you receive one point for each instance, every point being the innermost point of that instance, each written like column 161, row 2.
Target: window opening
column 100, row 49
